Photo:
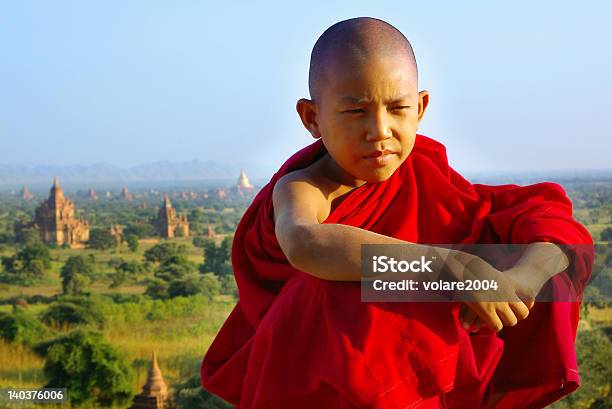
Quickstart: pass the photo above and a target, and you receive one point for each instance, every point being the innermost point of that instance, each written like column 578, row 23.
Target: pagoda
column 168, row 222
column 26, row 194
column 125, row 194
column 56, row 222
column 154, row 393
column 244, row 187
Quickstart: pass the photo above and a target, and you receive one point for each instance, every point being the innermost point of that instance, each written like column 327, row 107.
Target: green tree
column 225, row 256
column 126, row 270
column 217, row 259
column 175, row 267
column 75, row 284
column 186, row 286
column 606, row 234
column 207, row 284
column 210, row 285
column 79, row 311
column 80, row 264
column 132, row 268
column 200, row 241
column 139, row 230
column 132, row 242
column 101, row 239
column 28, row 266
column 162, row 251
column 210, row 256
column 23, row 328
column 25, row 234
column 77, row 273
column 228, row 285
column 91, row 370
column 38, row 252
column 157, row 289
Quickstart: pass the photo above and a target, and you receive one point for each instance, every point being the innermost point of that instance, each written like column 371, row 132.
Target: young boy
column 300, row 337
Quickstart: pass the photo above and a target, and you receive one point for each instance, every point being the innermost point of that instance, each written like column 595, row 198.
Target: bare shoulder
column 301, row 194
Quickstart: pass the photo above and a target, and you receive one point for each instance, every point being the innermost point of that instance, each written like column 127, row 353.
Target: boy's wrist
column 530, row 280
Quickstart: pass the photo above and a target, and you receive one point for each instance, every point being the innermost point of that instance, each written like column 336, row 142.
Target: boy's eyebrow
column 349, row 99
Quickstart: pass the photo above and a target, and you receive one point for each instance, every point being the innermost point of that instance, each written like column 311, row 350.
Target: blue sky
column 514, row 86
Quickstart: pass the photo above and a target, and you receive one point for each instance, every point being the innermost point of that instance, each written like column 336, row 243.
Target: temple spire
column 154, row 393
column 155, row 385
column 56, row 194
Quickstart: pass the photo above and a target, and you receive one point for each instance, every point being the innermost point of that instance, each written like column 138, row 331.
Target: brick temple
column 56, row 222
column 168, row 222
column 154, row 393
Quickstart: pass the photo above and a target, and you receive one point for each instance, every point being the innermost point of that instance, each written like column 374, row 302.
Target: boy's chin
column 379, row 176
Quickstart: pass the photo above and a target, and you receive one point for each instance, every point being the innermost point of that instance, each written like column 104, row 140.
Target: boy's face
column 367, row 115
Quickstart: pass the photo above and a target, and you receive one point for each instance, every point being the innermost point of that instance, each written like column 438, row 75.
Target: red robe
column 296, row 341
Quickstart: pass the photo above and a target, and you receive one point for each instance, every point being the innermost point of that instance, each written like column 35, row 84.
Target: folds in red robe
column 296, row 341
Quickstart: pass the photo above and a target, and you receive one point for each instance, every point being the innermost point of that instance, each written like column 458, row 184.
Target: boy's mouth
column 379, row 158
column 376, row 154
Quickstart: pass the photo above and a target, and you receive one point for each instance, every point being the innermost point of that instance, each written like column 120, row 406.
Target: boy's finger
column 528, row 300
column 520, row 309
column 493, row 322
column 507, row 316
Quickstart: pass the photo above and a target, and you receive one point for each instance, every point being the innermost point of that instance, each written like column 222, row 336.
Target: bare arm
column 327, row 251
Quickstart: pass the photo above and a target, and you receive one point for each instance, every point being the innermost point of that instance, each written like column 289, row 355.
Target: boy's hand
column 489, row 316
column 494, row 314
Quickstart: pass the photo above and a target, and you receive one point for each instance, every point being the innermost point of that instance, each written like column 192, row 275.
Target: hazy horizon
column 43, row 183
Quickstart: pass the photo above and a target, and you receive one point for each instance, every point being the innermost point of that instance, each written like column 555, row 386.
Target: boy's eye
column 399, row 108
column 353, row 111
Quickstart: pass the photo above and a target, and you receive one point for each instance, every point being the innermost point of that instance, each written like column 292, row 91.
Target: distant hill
column 98, row 174
column 11, row 175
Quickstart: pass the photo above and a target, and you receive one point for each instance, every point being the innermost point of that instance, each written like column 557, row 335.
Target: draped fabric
column 297, row 341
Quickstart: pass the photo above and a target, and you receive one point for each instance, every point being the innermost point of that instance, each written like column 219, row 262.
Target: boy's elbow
column 297, row 246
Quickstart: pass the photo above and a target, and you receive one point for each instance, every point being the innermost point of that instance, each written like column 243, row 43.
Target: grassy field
column 179, row 330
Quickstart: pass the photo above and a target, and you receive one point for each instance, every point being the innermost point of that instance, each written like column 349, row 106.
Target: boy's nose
column 379, row 128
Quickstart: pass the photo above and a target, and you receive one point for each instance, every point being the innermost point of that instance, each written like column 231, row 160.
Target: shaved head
column 351, row 42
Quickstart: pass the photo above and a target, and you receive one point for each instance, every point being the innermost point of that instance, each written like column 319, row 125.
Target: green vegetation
column 22, row 328
column 132, row 242
column 192, row 395
column 73, row 312
column 163, row 251
column 101, row 239
column 217, row 258
column 77, row 273
column 127, row 270
column 91, row 369
column 27, row 266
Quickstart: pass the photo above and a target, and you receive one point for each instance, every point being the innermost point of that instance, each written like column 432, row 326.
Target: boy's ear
column 423, row 103
column 307, row 110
